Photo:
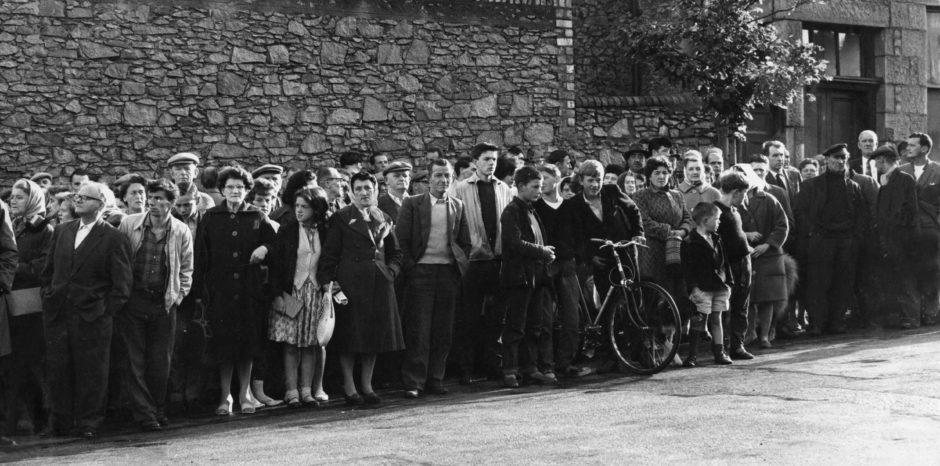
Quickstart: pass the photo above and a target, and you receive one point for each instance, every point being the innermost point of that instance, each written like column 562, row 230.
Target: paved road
column 872, row 399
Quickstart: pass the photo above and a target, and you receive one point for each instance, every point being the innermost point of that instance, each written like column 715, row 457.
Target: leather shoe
column 353, row 400
column 438, row 390
column 412, row 394
column 575, row 371
column 371, row 399
column 152, row 426
column 88, row 434
column 510, row 381
column 541, row 378
column 7, row 442
column 739, row 353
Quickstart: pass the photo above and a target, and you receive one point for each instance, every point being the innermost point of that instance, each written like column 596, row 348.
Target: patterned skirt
column 301, row 330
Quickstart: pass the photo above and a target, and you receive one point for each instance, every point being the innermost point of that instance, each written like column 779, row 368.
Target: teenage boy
column 734, row 188
column 708, row 280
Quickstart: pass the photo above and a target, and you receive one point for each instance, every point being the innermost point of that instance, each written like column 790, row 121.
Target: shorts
column 707, row 302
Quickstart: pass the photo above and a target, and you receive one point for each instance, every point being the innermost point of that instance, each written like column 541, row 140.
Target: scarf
column 35, row 204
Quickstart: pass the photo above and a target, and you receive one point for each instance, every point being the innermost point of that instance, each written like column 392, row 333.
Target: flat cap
column 633, row 152
column 40, row 176
column 835, row 149
column 183, row 157
column 886, row 150
column 397, row 166
column 267, row 169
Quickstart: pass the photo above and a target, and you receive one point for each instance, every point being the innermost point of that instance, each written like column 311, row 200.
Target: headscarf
column 35, row 200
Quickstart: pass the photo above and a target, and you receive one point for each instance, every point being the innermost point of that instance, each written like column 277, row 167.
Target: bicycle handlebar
column 620, row 244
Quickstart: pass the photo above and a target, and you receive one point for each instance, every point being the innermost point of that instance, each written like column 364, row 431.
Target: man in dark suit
column 831, row 217
column 8, row 264
column 397, row 179
column 927, row 245
column 779, row 172
column 435, row 241
column 86, row 280
column 895, row 227
column 527, row 335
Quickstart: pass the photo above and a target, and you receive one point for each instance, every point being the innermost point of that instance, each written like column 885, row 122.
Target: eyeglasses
column 83, row 198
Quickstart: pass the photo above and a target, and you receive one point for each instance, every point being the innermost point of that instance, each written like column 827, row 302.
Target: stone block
column 389, row 145
column 418, row 53
column 293, row 88
column 370, row 30
column 132, row 88
column 343, row 116
column 166, row 120
column 108, row 115
column 389, row 54
column 231, row 84
column 374, row 110
column 346, row 27
column 62, row 156
column 54, row 8
column 458, row 111
column 425, row 110
column 488, row 60
column 409, row 83
column 521, row 106
column 540, row 134
column 240, row 55
column 139, row 114
column 94, row 50
column 484, row 108
column 116, row 70
column 284, row 113
column 45, row 139
column 278, row 54
column 402, row 30
column 312, row 115
column 315, row 144
column 913, row 43
column 227, row 151
column 903, row 70
column 621, row 129
column 908, row 15
column 17, row 120
column 912, row 99
column 215, row 117
column 297, row 28
column 332, row 53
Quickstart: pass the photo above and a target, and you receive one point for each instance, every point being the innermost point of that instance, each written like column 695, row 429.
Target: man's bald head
column 867, row 142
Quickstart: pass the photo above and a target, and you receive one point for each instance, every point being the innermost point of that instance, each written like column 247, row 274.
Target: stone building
column 118, row 85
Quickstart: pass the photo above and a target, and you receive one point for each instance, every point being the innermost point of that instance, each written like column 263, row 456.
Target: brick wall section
column 121, row 86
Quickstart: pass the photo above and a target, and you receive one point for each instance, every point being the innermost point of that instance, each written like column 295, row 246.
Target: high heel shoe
column 225, row 408
column 353, row 400
column 248, row 407
column 292, row 399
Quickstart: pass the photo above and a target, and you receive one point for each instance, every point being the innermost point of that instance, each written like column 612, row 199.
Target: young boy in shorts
column 708, row 279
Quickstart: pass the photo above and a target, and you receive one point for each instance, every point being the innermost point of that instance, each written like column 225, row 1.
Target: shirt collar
column 435, row 199
column 82, row 225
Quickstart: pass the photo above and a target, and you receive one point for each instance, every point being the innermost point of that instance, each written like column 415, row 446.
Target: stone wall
column 607, row 127
column 114, row 86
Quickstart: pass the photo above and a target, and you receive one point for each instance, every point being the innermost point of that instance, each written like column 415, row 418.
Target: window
column 933, row 48
column 848, row 51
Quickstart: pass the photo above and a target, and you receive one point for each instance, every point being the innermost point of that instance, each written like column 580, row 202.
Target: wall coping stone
column 677, row 100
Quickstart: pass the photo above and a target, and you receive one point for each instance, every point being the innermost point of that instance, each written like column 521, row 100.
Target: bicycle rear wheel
column 645, row 328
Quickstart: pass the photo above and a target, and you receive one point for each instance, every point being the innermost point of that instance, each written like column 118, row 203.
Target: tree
column 728, row 52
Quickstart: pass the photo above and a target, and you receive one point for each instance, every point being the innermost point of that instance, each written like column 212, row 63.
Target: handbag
column 24, row 301
column 673, row 250
column 327, row 320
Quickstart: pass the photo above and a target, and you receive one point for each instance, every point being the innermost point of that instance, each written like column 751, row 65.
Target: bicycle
column 642, row 318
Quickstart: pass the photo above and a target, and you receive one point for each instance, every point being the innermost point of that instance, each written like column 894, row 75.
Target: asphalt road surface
column 859, row 399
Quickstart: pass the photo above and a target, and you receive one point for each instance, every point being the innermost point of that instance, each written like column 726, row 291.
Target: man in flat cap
column 831, row 217
column 183, row 167
column 274, row 174
column 636, row 160
column 927, row 245
column 895, row 229
column 86, row 280
column 43, row 179
column 397, row 178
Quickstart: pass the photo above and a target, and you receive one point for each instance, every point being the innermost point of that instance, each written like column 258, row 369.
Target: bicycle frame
column 621, row 286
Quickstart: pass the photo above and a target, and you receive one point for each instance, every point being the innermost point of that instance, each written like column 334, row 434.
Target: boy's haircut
column 514, row 151
column 525, row 175
column 463, row 163
column 805, row 162
column 262, row 187
column 732, row 180
column 374, row 155
column 170, row 190
column 767, row 145
column 703, row 211
column 550, row 169
column 591, row 168
column 923, row 138
column 480, row 148
column 363, row 176
column 210, row 178
column 759, row 158
column 505, row 166
column 350, row 158
column 614, row 168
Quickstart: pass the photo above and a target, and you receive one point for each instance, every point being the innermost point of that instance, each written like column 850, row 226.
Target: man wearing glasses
column 86, row 281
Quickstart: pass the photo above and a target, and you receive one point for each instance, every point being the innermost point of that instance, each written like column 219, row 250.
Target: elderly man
column 831, row 218
column 863, row 163
column 927, row 245
column 183, row 167
column 86, row 281
column 332, row 181
column 162, row 270
column 693, row 187
column 43, row 179
column 397, row 177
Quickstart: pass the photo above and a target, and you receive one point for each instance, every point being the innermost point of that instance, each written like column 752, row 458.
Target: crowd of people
column 116, row 294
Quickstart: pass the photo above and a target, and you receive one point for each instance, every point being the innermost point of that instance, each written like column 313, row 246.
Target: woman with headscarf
column 27, row 386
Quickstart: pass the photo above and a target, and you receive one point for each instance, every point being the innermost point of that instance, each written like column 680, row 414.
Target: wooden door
column 836, row 115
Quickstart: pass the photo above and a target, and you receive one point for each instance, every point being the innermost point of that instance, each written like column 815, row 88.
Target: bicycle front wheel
column 645, row 328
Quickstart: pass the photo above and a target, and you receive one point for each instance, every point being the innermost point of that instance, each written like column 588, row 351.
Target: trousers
column 148, row 332
column 830, row 280
column 479, row 319
column 430, row 302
